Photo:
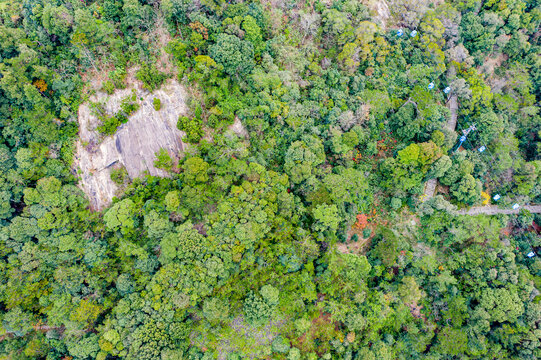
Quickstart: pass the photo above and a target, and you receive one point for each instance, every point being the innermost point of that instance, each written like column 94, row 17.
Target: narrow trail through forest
column 493, row 210
column 453, row 107
column 430, row 189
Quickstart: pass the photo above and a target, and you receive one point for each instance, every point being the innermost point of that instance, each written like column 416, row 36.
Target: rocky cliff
column 134, row 144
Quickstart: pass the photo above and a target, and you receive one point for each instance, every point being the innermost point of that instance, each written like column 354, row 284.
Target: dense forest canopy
column 345, row 217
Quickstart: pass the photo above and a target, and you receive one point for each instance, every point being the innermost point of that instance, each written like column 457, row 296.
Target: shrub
column 157, row 103
column 192, row 128
column 163, row 160
column 108, row 87
column 213, row 121
column 396, row 203
column 110, row 123
column 280, row 345
column 118, row 78
column 302, row 325
column 119, row 176
column 151, row 77
column 367, row 232
column 129, row 105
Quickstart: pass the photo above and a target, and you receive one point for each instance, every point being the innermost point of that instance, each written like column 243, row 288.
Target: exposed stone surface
column 382, row 11
column 133, row 145
column 239, row 129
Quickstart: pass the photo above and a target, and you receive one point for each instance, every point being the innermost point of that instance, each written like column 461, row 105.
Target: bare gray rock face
column 239, row 129
column 135, row 143
column 382, row 11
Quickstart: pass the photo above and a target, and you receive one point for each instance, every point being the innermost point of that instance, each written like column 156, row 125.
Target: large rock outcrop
column 134, row 144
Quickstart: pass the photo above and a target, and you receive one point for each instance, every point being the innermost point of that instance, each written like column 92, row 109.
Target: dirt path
column 493, row 210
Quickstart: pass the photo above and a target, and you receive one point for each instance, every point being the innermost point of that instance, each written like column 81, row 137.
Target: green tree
column 125, row 284
column 17, row 321
column 452, row 341
column 409, row 290
column 150, row 76
column 172, row 201
column 526, row 177
column 387, row 247
column 163, row 160
column 185, row 243
column 85, row 347
column 195, row 170
column 157, row 226
column 121, row 216
column 396, row 203
column 502, row 304
column 302, row 325
column 215, row 310
column 326, row 218
column 468, row 190
column 302, row 157
column 57, row 20
column 234, row 54
column 256, row 309
column 270, row 294
column 440, row 166
column 280, row 345
column 404, row 122
column 253, row 33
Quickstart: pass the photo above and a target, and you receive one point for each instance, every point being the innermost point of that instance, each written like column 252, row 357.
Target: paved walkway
column 493, row 210
column 453, row 107
column 430, row 189
column 430, row 185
